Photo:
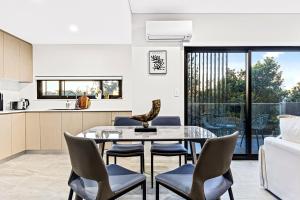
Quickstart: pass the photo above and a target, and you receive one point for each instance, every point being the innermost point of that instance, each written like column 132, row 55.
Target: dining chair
column 257, row 125
column 210, row 178
column 164, row 149
column 90, row 179
column 127, row 150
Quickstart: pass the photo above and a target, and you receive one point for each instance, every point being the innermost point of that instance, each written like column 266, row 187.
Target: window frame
column 62, row 84
column 249, row 155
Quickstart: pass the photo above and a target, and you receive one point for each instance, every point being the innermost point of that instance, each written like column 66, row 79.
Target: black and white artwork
column 158, row 62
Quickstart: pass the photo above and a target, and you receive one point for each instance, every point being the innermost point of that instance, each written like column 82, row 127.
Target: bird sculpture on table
column 145, row 118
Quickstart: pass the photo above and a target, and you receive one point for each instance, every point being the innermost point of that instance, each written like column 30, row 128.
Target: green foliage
column 294, row 94
column 235, row 82
column 267, row 81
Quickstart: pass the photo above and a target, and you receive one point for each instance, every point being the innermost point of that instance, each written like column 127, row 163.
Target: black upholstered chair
column 126, row 150
column 90, row 179
column 210, row 178
column 163, row 149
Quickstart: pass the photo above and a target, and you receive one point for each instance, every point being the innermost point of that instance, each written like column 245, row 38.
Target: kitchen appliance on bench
column 1, row 101
column 23, row 104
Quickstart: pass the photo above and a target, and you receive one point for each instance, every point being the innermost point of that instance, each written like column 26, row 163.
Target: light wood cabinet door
column 33, row 131
column 25, row 63
column 119, row 114
column 50, row 123
column 11, row 57
column 72, row 123
column 18, row 133
column 92, row 119
column 5, row 136
column 1, row 55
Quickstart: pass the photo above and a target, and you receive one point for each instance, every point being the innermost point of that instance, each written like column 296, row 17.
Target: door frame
column 248, row 101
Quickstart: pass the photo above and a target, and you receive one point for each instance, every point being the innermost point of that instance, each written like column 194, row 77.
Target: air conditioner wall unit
column 169, row 30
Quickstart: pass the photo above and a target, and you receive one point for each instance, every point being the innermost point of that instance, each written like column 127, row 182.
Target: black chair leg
column 230, row 194
column 157, row 191
column 257, row 140
column 144, row 190
column 185, row 159
column 179, row 160
column 243, row 135
column 151, row 170
column 107, row 159
column 78, row 197
column 70, row 194
column 141, row 164
column 115, row 159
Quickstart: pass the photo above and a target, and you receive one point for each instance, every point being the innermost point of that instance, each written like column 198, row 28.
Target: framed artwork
column 158, row 62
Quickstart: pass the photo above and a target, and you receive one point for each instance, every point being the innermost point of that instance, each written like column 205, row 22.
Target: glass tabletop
column 164, row 133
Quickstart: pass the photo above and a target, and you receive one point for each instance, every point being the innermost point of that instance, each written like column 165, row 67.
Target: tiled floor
column 44, row 176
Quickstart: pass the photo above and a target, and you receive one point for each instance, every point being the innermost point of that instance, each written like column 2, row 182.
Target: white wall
column 131, row 61
column 11, row 92
column 208, row 30
column 81, row 60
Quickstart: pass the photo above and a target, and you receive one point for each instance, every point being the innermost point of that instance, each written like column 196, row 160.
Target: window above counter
column 72, row 87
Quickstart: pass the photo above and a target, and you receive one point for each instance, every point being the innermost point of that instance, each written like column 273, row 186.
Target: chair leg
column 115, row 159
column 141, row 163
column 78, row 197
column 179, row 160
column 257, row 139
column 243, row 135
column 151, row 170
column 157, row 191
column 107, row 159
column 144, row 190
column 70, row 194
column 185, row 159
column 230, row 194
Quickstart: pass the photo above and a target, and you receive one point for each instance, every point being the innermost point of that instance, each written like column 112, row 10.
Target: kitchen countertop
column 60, row 110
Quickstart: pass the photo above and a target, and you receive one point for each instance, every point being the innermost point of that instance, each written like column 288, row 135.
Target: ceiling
column 215, row 6
column 49, row 21
column 109, row 21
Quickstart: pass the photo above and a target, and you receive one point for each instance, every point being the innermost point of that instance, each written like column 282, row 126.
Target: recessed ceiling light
column 73, row 28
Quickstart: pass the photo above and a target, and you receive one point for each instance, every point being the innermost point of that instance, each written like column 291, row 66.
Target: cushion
column 125, row 149
column 290, row 128
column 168, row 148
column 120, row 179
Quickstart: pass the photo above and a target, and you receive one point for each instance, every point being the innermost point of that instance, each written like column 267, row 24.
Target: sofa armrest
column 282, row 163
column 284, row 145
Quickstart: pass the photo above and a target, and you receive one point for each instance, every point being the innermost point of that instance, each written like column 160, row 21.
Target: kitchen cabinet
column 33, row 131
column 50, row 123
column 18, row 132
column 44, row 130
column 11, row 53
column 5, row 136
column 72, row 123
column 119, row 114
column 25, row 62
column 92, row 119
column 1, row 55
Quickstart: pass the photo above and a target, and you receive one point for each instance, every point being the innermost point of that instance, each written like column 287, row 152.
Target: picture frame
column 157, row 61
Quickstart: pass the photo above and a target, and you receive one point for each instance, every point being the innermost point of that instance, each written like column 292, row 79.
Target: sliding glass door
column 215, row 92
column 241, row 89
column 275, row 91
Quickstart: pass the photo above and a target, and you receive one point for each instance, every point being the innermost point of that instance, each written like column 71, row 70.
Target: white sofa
column 280, row 160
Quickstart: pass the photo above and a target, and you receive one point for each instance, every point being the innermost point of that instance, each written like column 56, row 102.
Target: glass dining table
column 189, row 134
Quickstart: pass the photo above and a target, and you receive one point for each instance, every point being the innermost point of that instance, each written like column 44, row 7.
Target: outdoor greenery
column 266, row 84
